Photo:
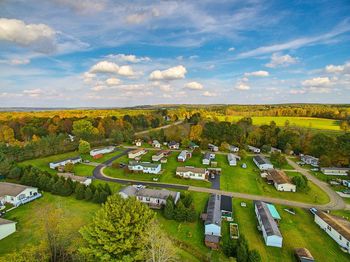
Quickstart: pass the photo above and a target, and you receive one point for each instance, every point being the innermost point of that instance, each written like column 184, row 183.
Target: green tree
column 117, row 232
column 254, row 256
column 80, row 191
column 180, row 213
column 242, row 250
column 88, row 193
column 84, row 147
column 169, row 208
column 84, row 129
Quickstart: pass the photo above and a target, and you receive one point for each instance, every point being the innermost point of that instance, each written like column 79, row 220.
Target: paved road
column 158, row 128
column 336, row 202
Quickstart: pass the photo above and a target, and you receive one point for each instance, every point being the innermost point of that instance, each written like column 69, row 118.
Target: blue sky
column 108, row 53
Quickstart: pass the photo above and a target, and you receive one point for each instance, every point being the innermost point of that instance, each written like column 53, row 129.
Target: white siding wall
column 7, row 229
column 285, row 187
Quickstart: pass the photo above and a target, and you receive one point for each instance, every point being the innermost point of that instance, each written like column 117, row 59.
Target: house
column 335, row 171
column 163, row 160
column 267, row 225
column 280, row 180
column 212, row 222
column 136, row 153
column 7, row 227
column 254, row 149
column 336, row 227
column 192, row 172
column 213, row 148
column 207, row 157
column 156, row 144
column 138, row 142
column 80, row 179
column 184, row 154
column 226, row 208
column 232, row 161
column 153, row 197
column 274, row 149
column 309, row 160
column 72, row 160
column 158, row 156
column 173, row 145
column 303, row 255
column 233, row 148
column 101, row 151
column 262, row 163
column 192, row 145
column 145, row 167
column 16, row 194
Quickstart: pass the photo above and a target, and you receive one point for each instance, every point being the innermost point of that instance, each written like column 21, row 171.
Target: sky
column 107, row 53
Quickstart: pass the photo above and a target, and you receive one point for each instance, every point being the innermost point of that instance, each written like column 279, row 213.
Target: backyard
column 298, row 230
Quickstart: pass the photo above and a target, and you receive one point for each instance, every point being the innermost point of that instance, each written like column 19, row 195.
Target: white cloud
column 177, row 72
column 33, row 92
column 113, row 81
column 84, row 6
column 97, row 88
column 258, row 73
column 105, row 67
column 139, row 18
column 15, row 61
column 317, row 81
column 231, row 49
column 242, row 85
column 126, row 71
column 209, row 94
column 278, row 60
column 337, row 69
column 297, row 91
column 341, row 28
column 194, row 86
column 129, row 58
column 40, row 37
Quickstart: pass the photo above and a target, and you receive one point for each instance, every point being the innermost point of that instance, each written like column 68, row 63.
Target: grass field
column 307, row 122
column 297, row 230
column 249, row 181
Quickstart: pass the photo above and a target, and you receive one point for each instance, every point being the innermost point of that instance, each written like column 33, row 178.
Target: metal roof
column 267, row 220
column 147, row 192
column 226, row 203
column 213, row 210
column 339, row 224
column 64, row 160
column 10, row 189
column 261, row 160
column 143, row 164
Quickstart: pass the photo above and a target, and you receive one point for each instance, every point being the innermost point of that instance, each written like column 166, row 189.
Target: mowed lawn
column 298, row 230
column 30, row 228
column 238, row 179
column 168, row 174
column 307, row 122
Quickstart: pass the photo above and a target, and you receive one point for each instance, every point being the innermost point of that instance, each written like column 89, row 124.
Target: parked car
column 313, row 210
column 140, row 186
column 244, row 165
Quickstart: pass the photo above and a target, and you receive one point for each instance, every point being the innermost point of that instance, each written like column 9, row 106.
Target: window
column 329, row 228
column 148, row 198
column 340, row 238
column 348, row 244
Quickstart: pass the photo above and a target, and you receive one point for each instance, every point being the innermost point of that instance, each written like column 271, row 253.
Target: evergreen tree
column 96, row 196
column 80, row 191
column 117, row 232
column 254, row 256
column 187, row 199
column 88, row 193
column 180, row 212
column 169, row 208
column 191, row 214
column 107, row 189
column 58, row 187
column 242, row 250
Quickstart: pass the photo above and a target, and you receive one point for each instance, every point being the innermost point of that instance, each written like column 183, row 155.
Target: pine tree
column 180, row 212
column 169, row 208
column 107, row 189
column 80, row 192
column 254, row 256
column 191, row 214
column 57, row 188
column 88, row 193
column 106, row 235
column 96, row 196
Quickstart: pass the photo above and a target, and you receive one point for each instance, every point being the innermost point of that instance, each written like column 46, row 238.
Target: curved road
column 336, row 202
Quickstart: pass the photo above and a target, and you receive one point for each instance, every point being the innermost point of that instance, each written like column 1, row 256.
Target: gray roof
column 147, row 192
column 73, row 177
column 206, row 155
column 197, row 170
column 70, row 158
column 214, row 210
column 212, row 238
column 183, row 154
column 144, row 164
column 336, row 168
column 261, row 160
column 10, row 189
column 226, row 203
column 267, row 220
column 5, row 221
column 231, row 157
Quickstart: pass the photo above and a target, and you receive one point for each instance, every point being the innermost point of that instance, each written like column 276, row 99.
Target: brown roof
column 5, row 221
column 73, row 177
column 339, row 224
column 303, row 253
column 190, row 169
column 10, row 189
column 278, row 176
column 136, row 151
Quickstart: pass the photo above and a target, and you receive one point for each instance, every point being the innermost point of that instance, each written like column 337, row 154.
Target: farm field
column 249, row 181
column 297, row 230
column 307, row 122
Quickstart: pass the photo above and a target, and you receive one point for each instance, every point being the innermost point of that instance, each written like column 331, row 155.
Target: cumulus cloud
column 338, row 69
column 231, row 49
column 194, row 86
column 33, row 92
column 141, row 17
column 209, row 94
column 40, row 37
column 84, row 6
column 113, row 81
column 173, row 73
column 279, row 60
column 105, row 67
column 257, row 73
column 317, row 81
column 129, row 58
column 126, row 71
column 242, row 85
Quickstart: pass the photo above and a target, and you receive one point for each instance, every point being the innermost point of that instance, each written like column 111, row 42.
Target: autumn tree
column 84, row 147
column 84, row 129
column 196, row 132
column 117, row 232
